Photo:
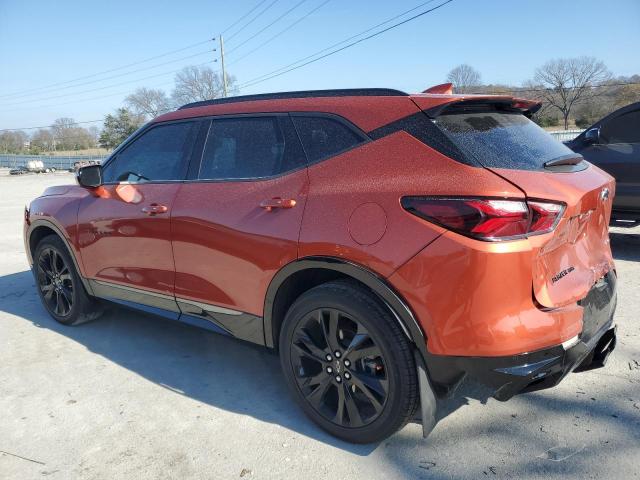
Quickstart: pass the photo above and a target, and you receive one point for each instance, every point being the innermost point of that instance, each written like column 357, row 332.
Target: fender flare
column 41, row 222
column 401, row 311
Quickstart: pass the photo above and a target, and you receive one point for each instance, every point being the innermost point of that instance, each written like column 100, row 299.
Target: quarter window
column 324, row 137
column 159, row 154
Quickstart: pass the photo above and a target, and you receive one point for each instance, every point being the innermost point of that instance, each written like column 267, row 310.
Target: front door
column 618, row 153
column 237, row 222
column 124, row 229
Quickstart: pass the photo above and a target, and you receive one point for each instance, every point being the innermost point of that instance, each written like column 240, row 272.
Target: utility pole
column 224, row 72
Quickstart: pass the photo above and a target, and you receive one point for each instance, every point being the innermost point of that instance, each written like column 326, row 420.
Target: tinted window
column 622, row 129
column 323, row 137
column 159, row 154
column 501, row 139
column 251, row 147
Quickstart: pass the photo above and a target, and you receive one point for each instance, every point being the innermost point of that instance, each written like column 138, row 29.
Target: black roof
column 346, row 92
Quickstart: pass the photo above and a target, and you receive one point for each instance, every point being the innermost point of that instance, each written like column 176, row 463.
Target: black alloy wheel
column 55, row 282
column 348, row 363
column 59, row 284
column 339, row 368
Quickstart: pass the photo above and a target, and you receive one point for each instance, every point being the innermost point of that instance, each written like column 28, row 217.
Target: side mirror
column 592, row 136
column 90, row 176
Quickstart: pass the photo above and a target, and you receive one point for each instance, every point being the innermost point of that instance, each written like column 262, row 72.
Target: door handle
column 277, row 202
column 154, row 209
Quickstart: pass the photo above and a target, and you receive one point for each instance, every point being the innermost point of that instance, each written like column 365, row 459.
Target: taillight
column 487, row 218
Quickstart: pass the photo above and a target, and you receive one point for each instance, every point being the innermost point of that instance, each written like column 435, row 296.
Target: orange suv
column 386, row 245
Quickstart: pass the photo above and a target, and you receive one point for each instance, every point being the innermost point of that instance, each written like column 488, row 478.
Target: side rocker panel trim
column 398, row 307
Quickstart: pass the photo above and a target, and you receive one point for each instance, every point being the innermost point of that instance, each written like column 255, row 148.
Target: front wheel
column 59, row 284
column 348, row 363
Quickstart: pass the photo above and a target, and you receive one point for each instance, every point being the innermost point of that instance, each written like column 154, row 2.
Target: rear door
column 124, row 228
column 236, row 222
column 567, row 262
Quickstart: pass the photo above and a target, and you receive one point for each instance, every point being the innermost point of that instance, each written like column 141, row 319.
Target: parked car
column 386, row 245
column 18, row 171
column 613, row 144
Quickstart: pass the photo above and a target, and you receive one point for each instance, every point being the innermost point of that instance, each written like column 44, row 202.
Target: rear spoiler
column 470, row 104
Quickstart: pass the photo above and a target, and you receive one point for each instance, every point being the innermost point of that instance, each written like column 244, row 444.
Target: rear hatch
column 569, row 260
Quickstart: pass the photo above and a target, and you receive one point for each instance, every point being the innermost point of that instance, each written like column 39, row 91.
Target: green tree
column 118, row 127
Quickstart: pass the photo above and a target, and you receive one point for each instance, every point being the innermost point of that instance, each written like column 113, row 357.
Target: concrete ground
column 131, row 396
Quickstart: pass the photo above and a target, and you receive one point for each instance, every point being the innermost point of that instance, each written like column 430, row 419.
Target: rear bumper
column 510, row 375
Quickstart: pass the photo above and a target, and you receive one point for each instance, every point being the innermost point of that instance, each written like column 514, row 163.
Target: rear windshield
column 501, row 139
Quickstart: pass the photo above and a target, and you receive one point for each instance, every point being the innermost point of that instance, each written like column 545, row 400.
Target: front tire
column 348, row 363
column 60, row 286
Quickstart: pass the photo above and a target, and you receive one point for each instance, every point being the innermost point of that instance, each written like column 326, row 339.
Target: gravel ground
column 131, row 396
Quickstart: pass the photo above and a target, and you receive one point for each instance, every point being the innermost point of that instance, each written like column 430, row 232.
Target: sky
column 47, row 47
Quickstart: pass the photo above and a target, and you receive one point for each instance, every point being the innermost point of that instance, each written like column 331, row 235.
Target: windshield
column 501, row 139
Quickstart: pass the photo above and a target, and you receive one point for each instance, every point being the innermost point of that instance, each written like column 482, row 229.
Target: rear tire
column 60, row 286
column 348, row 363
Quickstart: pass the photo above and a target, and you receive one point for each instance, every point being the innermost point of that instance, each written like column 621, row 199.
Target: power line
column 346, row 39
column 271, row 75
column 102, row 88
column 243, row 17
column 47, row 126
column 267, row 26
column 284, row 30
column 119, row 75
column 252, row 20
column 40, row 107
column 110, row 70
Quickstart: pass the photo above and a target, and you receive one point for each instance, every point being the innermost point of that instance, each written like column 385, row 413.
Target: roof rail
column 347, row 92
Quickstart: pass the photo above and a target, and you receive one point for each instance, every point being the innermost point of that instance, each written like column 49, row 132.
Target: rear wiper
column 570, row 159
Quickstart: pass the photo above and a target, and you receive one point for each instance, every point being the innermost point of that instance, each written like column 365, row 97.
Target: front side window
column 323, row 137
column 243, row 148
column 498, row 139
column 622, row 129
column 159, row 154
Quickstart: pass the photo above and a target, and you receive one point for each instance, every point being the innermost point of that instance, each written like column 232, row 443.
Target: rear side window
column 250, row 148
column 324, row 137
column 498, row 139
column 159, row 154
column 622, row 129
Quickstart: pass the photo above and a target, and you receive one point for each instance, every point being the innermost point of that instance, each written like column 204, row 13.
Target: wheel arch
column 287, row 285
column 41, row 228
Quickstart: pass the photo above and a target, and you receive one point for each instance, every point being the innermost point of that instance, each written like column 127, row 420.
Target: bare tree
column 149, row 102
column 464, row 78
column 42, row 139
column 12, row 142
column 68, row 135
column 565, row 82
column 194, row 84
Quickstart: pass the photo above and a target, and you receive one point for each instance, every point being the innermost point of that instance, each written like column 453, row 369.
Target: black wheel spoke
column 47, row 290
column 379, row 387
column 370, row 351
column 330, row 329
column 358, row 340
column 339, row 416
column 316, row 396
column 355, row 419
column 305, row 346
column 66, row 293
